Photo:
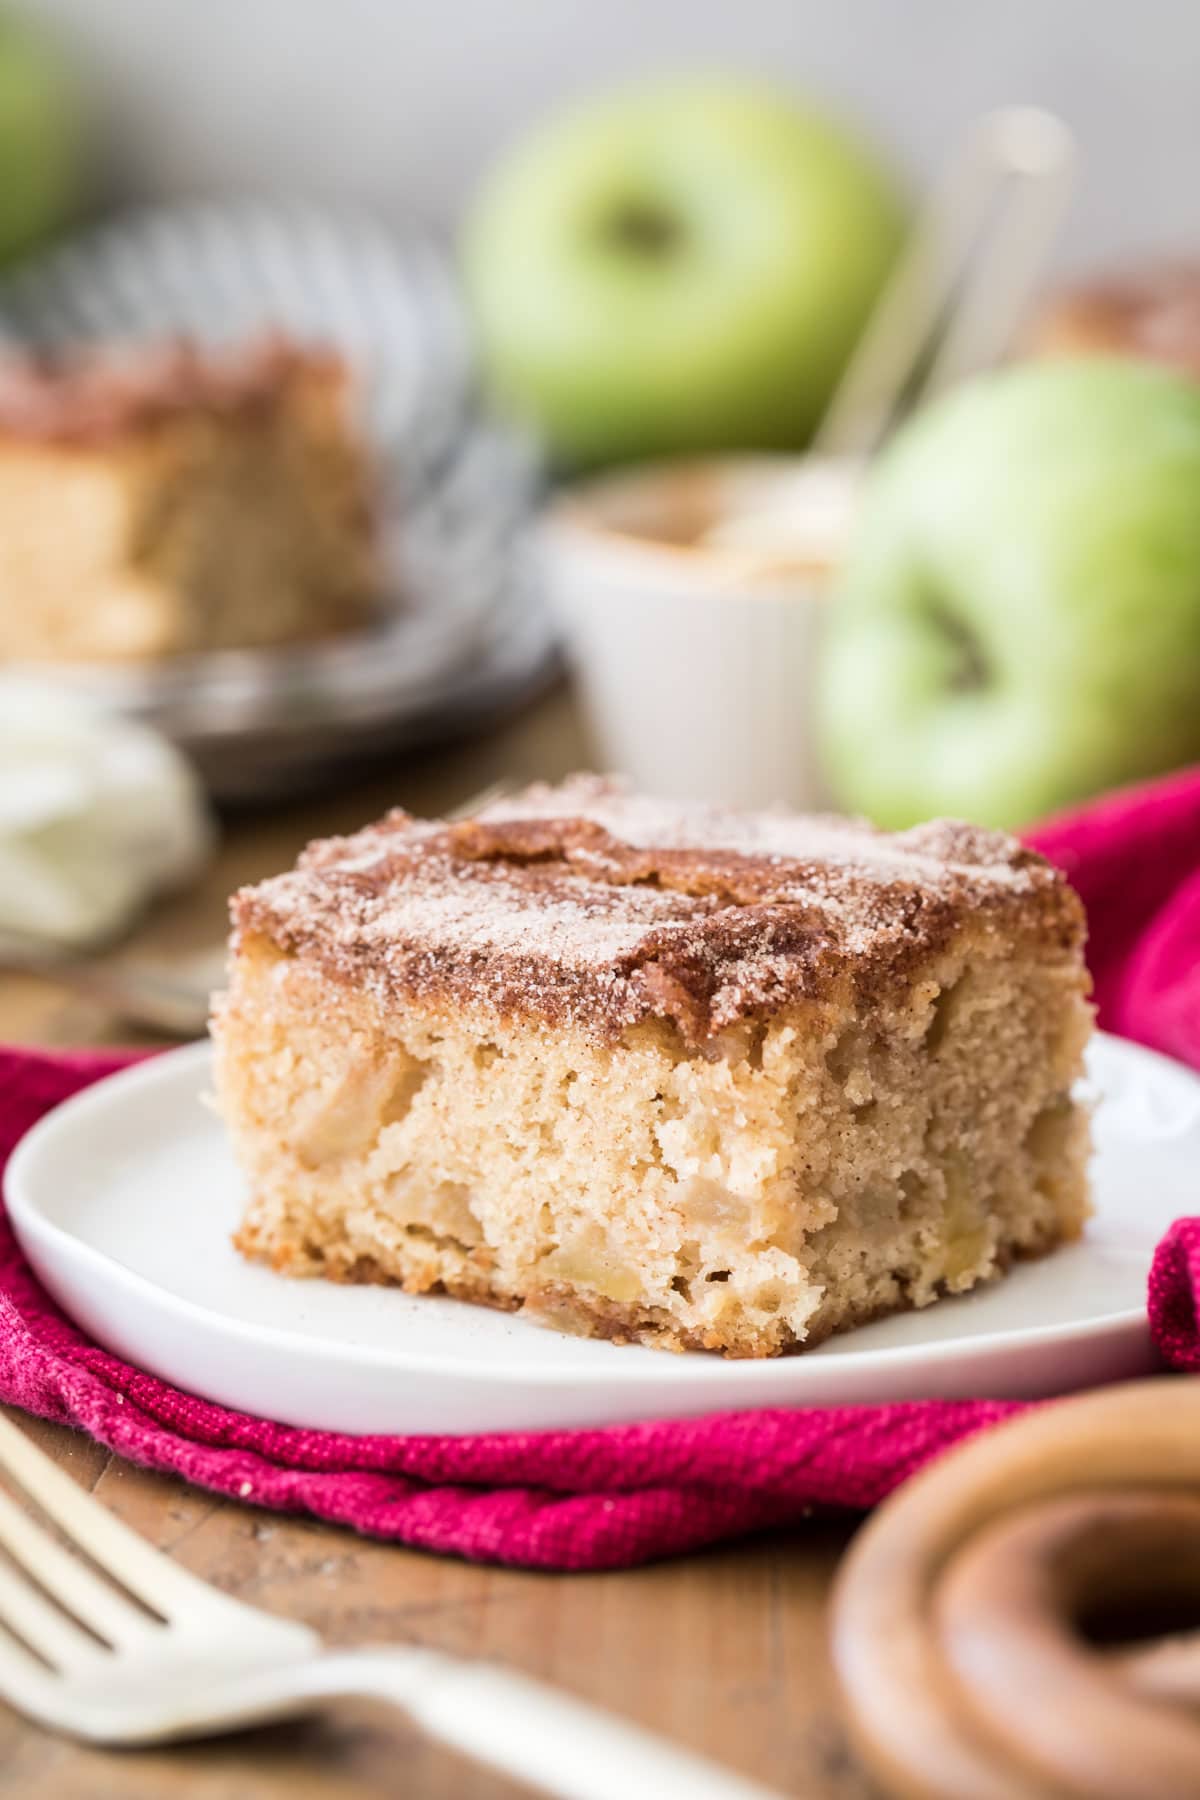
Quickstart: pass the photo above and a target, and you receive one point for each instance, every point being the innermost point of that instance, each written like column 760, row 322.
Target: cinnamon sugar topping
column 91, row 396
column 1154, row 313
column 588, row 904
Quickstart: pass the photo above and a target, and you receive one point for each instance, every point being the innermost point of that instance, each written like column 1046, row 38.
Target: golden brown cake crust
column 583, row 904
column 95, row 396
column 580, row 1314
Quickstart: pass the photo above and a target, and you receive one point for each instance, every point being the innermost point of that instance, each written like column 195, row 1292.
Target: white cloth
column 97, row 814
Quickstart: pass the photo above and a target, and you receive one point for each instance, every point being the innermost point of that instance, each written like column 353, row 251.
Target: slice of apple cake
column 164, row 500
column 703, row 1080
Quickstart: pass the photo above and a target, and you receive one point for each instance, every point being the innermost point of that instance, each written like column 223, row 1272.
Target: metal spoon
column 952, row 308
column 964, row 281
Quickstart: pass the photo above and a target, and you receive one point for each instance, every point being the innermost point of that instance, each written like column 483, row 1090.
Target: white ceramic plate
column 124, row 1199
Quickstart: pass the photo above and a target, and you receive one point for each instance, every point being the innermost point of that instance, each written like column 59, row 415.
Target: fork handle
column 555, row 1743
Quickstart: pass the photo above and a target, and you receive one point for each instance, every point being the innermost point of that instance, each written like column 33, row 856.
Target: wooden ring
column 966, row 1610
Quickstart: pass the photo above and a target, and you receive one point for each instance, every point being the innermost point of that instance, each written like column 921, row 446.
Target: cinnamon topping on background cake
column 91, row 395
column 1154, row 314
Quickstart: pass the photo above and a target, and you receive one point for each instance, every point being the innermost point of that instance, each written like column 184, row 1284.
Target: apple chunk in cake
column 703, row 1080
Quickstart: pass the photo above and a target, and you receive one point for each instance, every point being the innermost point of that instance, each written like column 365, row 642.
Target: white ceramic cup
column 690, row 596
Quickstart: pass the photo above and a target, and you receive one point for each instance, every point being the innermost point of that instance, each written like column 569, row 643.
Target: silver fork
column 133, row 1650
column 171, row 998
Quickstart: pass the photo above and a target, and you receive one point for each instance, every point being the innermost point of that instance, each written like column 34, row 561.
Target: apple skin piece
column 1017, row 624
column 683, row 266
column 40, row 133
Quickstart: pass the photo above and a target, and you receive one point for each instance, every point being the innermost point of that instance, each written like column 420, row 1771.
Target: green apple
column 679, row 267
column 1018, row 621
column 39, row 137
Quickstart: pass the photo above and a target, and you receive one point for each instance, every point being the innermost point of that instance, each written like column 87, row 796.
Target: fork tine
column 153, row 1578
column 21, row 1674
column 47, row 1631
column 92, row 1601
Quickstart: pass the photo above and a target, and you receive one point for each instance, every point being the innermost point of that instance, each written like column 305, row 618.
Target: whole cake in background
column 697, row 1079
column 168, row 500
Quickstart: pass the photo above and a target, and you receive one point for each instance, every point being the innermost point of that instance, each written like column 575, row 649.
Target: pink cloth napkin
column 612, row 1498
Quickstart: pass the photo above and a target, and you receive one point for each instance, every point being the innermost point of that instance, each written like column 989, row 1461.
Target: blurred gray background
column 403, row 101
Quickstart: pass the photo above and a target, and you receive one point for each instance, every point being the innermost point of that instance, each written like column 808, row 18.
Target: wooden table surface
column 725, row 1651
